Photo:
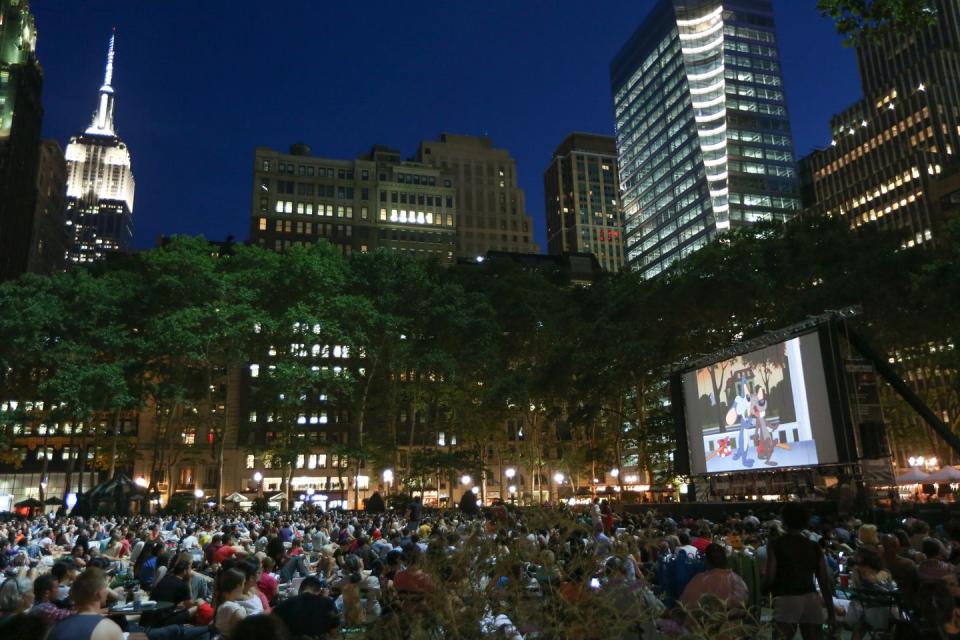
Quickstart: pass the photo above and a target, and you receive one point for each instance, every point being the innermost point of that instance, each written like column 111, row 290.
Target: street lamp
column 198, row 494
column 465, row 479
column 141, row 482
column 510, row 472
column 388, row 479
column 258, row 478
column 615, row 473
column 558, row 480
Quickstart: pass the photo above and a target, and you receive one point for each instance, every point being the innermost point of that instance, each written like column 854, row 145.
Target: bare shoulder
column 107, row 629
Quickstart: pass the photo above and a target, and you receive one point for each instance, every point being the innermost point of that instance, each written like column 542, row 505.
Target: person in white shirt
column 685, row 545
column 229, row 610
column 190, row 541
column 45, row 541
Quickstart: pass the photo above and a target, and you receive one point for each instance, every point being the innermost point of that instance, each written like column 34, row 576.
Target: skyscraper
column 582, row 201
column 491, row 205
column 100, row 183
column 21, row 114
column 48, row 245
column 893, row 160
column 703, row 136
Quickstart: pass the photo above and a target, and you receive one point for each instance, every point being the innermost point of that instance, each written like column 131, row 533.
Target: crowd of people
column 502, row 572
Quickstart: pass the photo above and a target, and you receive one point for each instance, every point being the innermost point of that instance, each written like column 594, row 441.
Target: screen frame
column 835, row 382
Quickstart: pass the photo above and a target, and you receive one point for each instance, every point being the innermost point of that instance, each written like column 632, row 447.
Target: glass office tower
column 703, row 136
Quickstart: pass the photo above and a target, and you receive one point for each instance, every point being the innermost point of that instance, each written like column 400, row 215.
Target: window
column 189, row 436
column 186, row 476
column 364, row 213
column 263, row 224
column 249, row 461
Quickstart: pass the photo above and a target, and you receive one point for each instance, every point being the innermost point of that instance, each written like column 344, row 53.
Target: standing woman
column 793, row 563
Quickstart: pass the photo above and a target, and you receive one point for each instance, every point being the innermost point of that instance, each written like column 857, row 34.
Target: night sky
column 200, row 84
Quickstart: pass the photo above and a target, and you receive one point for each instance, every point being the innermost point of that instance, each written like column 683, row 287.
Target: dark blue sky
column 200, row 84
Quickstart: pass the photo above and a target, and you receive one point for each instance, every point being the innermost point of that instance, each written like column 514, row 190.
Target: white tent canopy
column 945, row 474
column 913, row 476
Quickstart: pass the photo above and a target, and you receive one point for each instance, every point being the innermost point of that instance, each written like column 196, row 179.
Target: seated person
column 309, row 614
column 719, row 582
column 89, row 595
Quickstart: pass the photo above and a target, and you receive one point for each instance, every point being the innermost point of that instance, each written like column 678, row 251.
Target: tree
column 870, row 21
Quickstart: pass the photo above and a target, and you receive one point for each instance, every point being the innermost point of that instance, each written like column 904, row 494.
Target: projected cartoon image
column 752, row 410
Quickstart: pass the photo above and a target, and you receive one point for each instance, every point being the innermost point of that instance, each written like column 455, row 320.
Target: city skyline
column 345, row 98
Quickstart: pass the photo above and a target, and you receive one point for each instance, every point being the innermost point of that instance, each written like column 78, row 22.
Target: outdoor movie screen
column 762, row 410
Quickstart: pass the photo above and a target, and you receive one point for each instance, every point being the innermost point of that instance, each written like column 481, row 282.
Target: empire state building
column 100, row 185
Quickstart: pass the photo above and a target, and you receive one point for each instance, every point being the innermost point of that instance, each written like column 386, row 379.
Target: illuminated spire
column 103, row 117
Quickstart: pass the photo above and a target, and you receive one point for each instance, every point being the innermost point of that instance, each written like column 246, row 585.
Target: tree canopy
column 382, row 359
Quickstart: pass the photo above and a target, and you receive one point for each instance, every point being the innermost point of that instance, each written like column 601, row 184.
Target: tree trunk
column 715, row 384
column 170, row 484
column 71, row 461
column 113, row 444
column 291, row 467
column 483, row 474
column 356, row 485
column 617, row 444
column 43, row 468
column 642, row 431
column 83, row 465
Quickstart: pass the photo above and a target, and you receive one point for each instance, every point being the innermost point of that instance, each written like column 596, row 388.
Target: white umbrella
column 945, row 474
column 913, row 476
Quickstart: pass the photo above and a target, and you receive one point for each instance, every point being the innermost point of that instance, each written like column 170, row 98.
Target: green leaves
column 867, row 22
column 462, row 350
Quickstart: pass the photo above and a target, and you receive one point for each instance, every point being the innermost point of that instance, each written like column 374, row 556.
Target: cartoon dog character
column 764, row 433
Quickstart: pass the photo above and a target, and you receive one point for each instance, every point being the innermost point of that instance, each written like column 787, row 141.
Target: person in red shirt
column 126, row 543
column 699, row 542
column 225, row 551
column 215, row 545
column 413, row 579
column 267, row 583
